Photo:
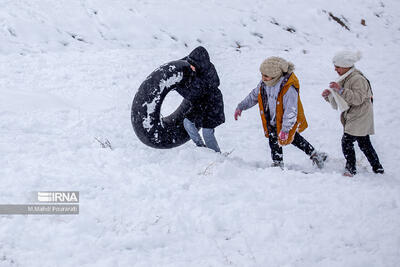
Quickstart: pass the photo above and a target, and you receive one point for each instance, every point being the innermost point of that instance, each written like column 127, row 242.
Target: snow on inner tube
column 147, row 123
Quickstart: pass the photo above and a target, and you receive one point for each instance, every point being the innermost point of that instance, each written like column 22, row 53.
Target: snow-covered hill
column 68, row 73
column 42, row 26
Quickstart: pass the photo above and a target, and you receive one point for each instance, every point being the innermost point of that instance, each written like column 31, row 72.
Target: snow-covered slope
column 68, row 73
column 41, row 26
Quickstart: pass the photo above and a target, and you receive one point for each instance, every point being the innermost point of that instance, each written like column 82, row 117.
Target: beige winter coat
column 358, row 120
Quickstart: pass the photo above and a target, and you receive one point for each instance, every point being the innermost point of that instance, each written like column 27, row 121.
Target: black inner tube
column 147, row 123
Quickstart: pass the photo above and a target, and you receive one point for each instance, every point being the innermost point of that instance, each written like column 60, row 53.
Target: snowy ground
column 188, row 206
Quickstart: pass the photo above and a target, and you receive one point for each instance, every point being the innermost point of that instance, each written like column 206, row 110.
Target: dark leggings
column 366, row 147
column 298, row 141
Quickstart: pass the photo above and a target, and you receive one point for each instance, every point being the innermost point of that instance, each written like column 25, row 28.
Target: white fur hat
column 346, row 59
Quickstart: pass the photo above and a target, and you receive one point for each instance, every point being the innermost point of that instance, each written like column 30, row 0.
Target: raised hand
column 238, row 113
column 326, row 93
column 283, row 136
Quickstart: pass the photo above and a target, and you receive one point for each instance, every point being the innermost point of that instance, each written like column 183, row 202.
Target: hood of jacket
column 200, row 59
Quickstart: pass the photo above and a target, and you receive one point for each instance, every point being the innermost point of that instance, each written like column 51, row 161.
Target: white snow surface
column 69, row 72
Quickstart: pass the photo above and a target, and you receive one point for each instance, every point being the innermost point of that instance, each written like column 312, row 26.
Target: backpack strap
column 370, row 88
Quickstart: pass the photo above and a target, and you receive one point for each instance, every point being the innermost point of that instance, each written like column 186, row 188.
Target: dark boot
column 379, row 170
column 319, row 158
column 279, row 164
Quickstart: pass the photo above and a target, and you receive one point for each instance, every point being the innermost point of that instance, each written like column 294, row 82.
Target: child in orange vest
column 281, row 110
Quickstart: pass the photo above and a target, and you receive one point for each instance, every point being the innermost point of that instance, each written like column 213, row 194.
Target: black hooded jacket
column 207, row 109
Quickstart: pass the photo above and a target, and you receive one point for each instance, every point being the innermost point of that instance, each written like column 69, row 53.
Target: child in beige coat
column 358, row 119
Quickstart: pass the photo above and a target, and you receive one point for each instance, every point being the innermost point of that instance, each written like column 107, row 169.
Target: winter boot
column 348, row 174
column 277, row 163
column 318, row 158
column 379, row 170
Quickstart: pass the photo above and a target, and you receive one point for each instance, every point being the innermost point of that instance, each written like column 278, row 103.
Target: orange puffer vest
column 301, row 123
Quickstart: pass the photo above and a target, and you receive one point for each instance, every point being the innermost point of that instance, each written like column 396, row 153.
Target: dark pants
column 298, row 141
column 366, row 147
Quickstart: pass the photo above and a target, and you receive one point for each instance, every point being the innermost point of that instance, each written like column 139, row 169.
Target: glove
column 238, row 113
column 283, row 136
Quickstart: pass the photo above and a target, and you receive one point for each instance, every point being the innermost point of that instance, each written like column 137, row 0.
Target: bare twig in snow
column 105, row 144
